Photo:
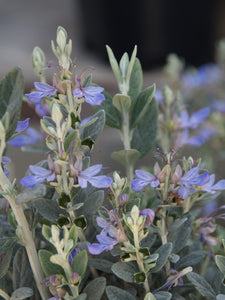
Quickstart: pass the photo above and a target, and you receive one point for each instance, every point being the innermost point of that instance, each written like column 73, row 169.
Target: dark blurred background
column 190, row 29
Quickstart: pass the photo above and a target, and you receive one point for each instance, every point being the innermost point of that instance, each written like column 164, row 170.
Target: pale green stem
column 139, row 259
column 25, row 233
column 4, row 295
column 27, row 240
column 126, row 137
column 163, row 233
column 70, row 97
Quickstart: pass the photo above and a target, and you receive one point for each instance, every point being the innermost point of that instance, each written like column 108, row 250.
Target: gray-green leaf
column 125, row 271
column 7, row 243
column 21, row 293
column 95, row 288
column 79, row 263
column 115, row 293
column 204, row 288
column 47, row 266
column 144, row 134
column 140, row 106
column 11, row 94
column 94, row 130
column 136, row 81
column 164, row 251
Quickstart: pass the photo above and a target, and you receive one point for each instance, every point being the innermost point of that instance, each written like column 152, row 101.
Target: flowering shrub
column 70, row 230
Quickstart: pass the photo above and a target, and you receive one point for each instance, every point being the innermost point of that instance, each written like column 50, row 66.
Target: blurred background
column 190, row 29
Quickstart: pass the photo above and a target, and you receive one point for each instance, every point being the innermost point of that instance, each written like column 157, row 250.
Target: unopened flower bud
column 168, row 95
column 61, row 38
column 123, row 199
column 55, row 280
column 38, row 60
column 149, row 214
column 75, row 278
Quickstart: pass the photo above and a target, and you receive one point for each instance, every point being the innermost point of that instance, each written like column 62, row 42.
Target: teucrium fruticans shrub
column 71, row 232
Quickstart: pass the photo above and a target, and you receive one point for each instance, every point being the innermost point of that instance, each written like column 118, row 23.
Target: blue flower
column 106, row 243
column 210, row 187
column 92, row 94
column 39, row 175
column 89, row 175
column 32, row 137
column 190, row 179
column 72, row 254
column 196, row 118
column 149, row 214
column 43, row 90
column 5, row 161
column 41, row 109
column 144, row 178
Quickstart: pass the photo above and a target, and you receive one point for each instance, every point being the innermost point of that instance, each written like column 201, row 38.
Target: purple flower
column 210, row 187
column 5, row 161
column 92, row 94
column 72, row 254
column 190, row 179
column 219, row 105
column 39, row 175
column 32, row 137
column 144, row 178
column 159, row 96
column 43, row 90
column 106, row 243
column 41, row 109
column 196, row 118
column 89, row 175
column 150, row 215
column 206, row 74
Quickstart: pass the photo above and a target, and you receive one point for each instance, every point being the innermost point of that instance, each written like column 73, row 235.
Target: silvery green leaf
column 82, row 296
column 143, row 140
column 79, row 263
column 94, row 130
column 101, row 264
column 220, row 297
column 115, row 293
column 28, row 194
column 126, row 157
column 180, row 234
column 164, row 251
column 131, row 203
column 125, row 271
column 214, row 277
column 22, row 274
column 149, row 296
column 49, row 209
column 112, row 115
column 174, row 258
column 75, row 207
column 92, row 204
column 122, row 102
column 199, row 282
column 140, row 107
column 220, row 261
column 114, row 64
column 163, row 296
column 124, row 63
column 7, row 243
column 21, row 293
column 73, row 234
column 69, row 139
column 136, row 81
column 190, row 260
column 11, row 94
column 48, row 267
column 47, row 232
column 95, row 288
column 5, row 259
column 131, row 65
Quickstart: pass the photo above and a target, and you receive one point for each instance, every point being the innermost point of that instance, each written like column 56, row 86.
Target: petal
column 201, row 179
column 196, row 141
column 220, row 185
column 138, row 184
column 144, row 175
column 91, row 171
column 51, row 177
column 35, row 97
column 78, row 93
column 198, row 117
column 5, row 160
column 34, row 135
column 47, row 89
column 102, row 223
column 41, row 109
column 190, row 175
column 93, row 90
column 19, row 141
column 184, row 192
column 95, row 248
column 39, row 171
column 22, row 125
column 31, row 180
column 95, row 99
column 101, row 181
column 82, row 182
column 184, row 117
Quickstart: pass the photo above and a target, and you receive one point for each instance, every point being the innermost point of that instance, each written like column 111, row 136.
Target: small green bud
column 61, row 38
column 168, row 95
column 38, row 60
